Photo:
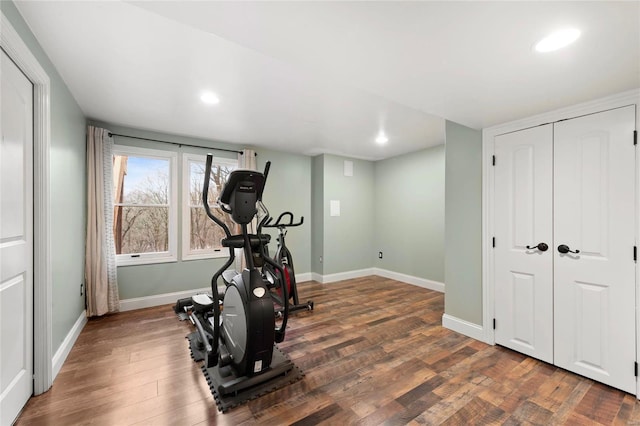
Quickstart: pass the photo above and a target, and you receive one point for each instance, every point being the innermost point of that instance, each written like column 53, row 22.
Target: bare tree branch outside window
column 141, row 207
column 204, row 233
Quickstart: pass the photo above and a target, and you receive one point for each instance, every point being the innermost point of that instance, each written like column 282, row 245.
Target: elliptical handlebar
column 205, row 197
column 279, row 224
column 266, row 217
column 266, row 174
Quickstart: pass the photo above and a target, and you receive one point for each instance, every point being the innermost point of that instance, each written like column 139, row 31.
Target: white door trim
column 488, row 135
column 18, row 51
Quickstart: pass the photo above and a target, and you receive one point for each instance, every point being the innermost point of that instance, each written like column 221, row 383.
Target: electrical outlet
column 379, row 255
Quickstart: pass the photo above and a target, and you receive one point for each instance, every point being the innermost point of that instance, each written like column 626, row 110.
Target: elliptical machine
column 241, row 360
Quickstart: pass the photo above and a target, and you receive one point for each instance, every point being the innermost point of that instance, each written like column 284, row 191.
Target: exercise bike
column 237, row 342
column 284, row 258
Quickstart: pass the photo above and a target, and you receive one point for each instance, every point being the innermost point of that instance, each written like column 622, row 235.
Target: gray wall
column 348, row 238
column 68, row 189
column 288, row 188
column 317, row 218
column 463, row 223
column 409, row 213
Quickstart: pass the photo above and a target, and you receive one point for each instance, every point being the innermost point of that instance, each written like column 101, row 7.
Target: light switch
column 334, row 207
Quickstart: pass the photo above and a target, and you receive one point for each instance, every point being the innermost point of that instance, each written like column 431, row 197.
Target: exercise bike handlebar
column 280, row 224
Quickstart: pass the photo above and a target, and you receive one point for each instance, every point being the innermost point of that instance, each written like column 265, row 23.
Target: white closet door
column 16, row 240
column 523, row 218
column 594, row 298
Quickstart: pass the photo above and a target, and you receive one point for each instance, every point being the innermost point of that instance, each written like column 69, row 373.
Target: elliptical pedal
column 202, row 303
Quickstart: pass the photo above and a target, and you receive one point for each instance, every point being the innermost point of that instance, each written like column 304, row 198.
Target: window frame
column 187, row 252
column 171, row 255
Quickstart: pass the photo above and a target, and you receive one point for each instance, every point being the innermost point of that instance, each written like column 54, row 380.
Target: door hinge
column 493, row 160
column 635, row 369
column 493, row 242
column 494, row 323
column 635, row 253
column 635, row 137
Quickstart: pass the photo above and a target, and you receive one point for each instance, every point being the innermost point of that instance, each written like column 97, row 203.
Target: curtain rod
column 176, row 143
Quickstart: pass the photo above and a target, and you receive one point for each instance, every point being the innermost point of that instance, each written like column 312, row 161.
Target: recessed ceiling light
column 210, row 98
column 558, row 40
column 382, row 138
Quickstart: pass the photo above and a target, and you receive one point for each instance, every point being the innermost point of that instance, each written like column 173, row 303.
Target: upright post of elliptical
column 212, row 357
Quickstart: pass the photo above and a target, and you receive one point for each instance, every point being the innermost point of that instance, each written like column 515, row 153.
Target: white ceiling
column 325, row 77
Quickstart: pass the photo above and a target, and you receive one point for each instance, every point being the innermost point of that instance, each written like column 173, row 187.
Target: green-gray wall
column 409, row 213
column 317, row 215
column 463, row 223
column 288, row 188
column 347, row 240
column 67, row 189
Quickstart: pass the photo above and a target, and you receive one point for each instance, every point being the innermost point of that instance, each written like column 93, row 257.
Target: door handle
column 541, row 247
column 563, row 248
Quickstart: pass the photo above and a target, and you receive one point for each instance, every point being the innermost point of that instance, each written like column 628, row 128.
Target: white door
column 16, row 241
column 594, row 305
column 523, row 265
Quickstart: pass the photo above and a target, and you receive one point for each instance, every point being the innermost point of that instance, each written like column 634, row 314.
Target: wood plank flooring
column 373, row 351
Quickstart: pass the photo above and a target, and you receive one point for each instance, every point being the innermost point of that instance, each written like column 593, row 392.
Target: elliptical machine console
column 238, row 344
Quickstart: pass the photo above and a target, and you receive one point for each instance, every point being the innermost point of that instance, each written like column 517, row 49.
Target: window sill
column 127, row 260
column 222, row 254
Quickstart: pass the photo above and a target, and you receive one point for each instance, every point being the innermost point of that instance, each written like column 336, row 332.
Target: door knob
column 563, row 248
column 541, row 247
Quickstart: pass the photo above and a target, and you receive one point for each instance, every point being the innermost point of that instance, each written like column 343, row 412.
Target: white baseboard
column 307, row 276
column 409, row 279
column 158, row 299
column 166, row 298
column 420, row 282
column 65, row 347
column 463, row 327
column 331, row 278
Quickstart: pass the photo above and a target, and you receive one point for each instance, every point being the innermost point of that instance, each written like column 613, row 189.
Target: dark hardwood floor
column 373, row 351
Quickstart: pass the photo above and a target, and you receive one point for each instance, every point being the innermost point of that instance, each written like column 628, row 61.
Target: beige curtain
column 100, row 254
column 246, row 160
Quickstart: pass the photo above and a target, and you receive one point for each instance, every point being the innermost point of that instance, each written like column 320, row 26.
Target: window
column 200, row 235
column 145, row 208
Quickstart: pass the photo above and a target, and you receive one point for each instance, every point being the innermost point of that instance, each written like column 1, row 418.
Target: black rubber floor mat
column 196, row 353
column 181, row 307
column 225, row 402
